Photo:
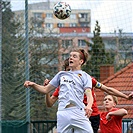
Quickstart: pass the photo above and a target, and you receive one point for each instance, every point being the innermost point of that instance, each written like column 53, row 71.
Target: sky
column 112, row 15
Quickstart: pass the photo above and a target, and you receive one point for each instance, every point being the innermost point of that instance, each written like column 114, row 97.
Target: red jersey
column 56, row 92
column 94, row 105
column 112, row 126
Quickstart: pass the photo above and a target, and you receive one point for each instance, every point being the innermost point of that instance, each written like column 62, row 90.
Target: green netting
column 17, row 102
column 29, row 49
column 12, row 127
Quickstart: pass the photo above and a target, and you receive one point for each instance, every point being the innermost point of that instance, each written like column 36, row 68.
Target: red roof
column 122, row 81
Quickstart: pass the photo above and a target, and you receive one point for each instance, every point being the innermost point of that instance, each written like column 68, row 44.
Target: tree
column 9, row 59
column 98, row 55
column 42, row 62
column 123, row 50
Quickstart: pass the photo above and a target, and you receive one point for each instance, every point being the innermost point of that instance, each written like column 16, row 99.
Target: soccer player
column 111, row 119
column 72, row 113
column 95, row 116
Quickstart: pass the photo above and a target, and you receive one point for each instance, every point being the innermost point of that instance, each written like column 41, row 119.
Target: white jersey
column 72, row 87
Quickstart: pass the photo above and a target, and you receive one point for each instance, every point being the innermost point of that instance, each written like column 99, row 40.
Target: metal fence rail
column 43, row 126
column 48, row 126
column 125, row 125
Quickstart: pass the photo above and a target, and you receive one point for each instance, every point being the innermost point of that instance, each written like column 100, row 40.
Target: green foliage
column 98, row 55
column 9, row 59
column 43, row 60
column 42, row 63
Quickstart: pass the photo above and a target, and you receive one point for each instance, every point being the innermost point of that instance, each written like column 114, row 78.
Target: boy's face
column 74, row 59
column 109, row 102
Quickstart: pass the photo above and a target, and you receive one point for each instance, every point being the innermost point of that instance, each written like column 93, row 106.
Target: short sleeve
column 56, row 92
column 87, row 81
column 56, row 80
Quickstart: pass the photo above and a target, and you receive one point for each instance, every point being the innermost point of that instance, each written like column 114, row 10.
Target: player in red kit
column 111, row 118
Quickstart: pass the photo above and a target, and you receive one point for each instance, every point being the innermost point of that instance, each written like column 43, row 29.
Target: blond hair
column 115, row 99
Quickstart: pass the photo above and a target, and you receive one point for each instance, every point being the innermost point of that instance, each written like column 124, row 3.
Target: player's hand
column 130, row 96
column 28, row 84
column 46, row 81
column 88, row 111
column 108, row 116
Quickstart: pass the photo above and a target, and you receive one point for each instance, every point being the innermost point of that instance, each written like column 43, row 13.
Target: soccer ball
column 62, row 10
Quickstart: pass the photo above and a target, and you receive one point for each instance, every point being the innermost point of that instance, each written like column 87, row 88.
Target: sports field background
column 22, row 56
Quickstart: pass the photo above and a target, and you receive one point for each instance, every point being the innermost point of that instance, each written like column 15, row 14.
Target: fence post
column 27, row 66
column 0, row 64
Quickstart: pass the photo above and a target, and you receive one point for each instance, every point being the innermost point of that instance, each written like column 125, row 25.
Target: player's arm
column 40, row 88
column 120, row 112
column 111, row 90
column 89, row 102
column 50, row 100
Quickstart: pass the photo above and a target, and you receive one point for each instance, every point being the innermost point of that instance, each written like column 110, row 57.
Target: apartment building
column 41, row 17
column 72, row 31
column 43, row 22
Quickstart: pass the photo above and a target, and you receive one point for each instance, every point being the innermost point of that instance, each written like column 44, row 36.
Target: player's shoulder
column 86, row 75
column 61, row 72
column 114, row 109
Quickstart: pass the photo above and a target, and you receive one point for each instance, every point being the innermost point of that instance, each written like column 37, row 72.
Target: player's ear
column 114, row 104
column 81, row 61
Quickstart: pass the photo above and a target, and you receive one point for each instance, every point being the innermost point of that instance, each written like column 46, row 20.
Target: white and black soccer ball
column 62, row 10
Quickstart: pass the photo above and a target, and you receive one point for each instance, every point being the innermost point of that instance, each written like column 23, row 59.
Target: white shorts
column 73, row 120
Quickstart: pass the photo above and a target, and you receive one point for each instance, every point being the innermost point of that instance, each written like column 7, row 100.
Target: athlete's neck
column 75, row 68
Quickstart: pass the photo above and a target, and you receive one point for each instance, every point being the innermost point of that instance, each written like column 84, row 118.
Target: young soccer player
column 72, row 113
column 111, row 119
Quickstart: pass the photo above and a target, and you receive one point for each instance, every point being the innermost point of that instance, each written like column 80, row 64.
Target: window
column 66, row 43
column 73, row 24
column 38, row 25
column 73, row 16
column 49, row 15
column 83, row 15
column 60, row 25
column 38, row 15
column 49, row 25
column 84, row 25
column 81, row 43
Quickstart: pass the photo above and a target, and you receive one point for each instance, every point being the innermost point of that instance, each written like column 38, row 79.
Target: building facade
column 41, row 17
column 73, row 31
